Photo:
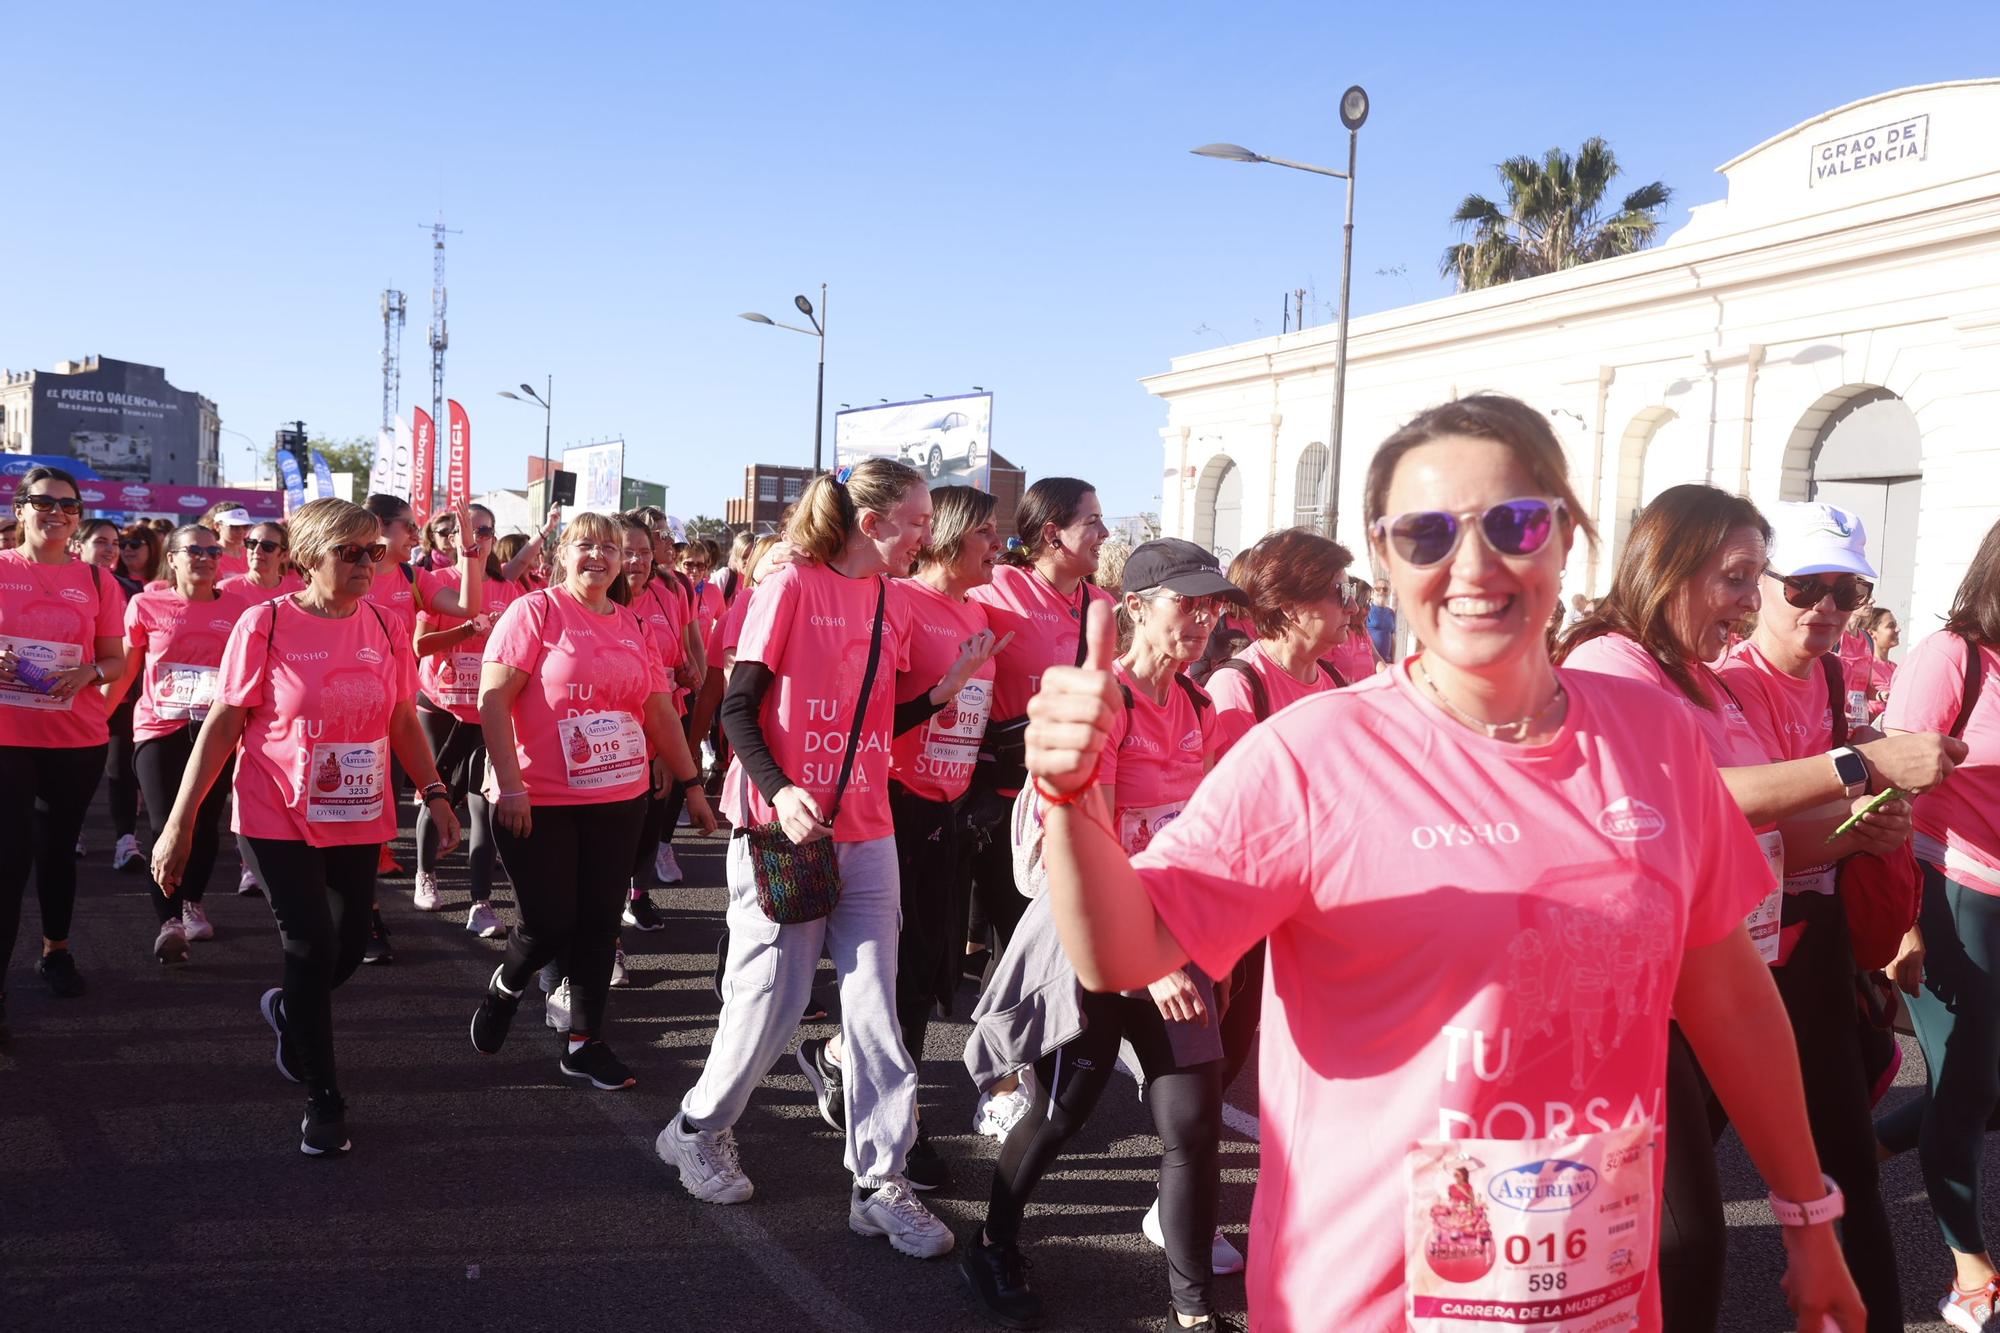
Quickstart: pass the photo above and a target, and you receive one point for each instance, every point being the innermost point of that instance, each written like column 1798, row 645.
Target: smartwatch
column 1852, row 770
column 1827, row 1209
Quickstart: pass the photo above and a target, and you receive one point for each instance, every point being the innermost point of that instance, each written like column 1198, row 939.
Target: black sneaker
column 998, row 1276
column 594, row 1061
column 323, row 1133
column 923, row 1168
column 378, row 950
column 272, row 1006
column 640, row 914
column 1209, row 1323
column 58, row 969
column 493, row 1017
column 824, row 1075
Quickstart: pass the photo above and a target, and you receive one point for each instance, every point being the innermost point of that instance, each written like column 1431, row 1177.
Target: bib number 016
column 1520, row 1250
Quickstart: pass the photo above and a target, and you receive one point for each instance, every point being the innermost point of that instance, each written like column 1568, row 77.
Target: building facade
column 121, row 420
column 1830, row 329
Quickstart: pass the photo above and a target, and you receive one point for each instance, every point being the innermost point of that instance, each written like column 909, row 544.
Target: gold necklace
column 1515, row 731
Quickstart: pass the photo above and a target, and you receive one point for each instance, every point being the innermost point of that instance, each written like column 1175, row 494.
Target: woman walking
column 97, row 542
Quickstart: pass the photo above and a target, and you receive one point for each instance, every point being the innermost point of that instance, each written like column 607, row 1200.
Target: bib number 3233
column 1548, row 1235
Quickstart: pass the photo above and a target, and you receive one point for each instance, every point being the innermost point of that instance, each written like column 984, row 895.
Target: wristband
column 1826, row 1209
column 432, row 791
column 690, row 784
column 507, row 794
column 1054, row 798
column 98, row 667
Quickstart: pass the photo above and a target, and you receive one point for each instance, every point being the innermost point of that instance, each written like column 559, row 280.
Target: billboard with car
column 949, row 440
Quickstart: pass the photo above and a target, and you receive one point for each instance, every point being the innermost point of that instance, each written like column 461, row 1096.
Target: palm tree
column 1552, row 219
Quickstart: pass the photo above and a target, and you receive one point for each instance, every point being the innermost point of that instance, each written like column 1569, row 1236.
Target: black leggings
column 320, row 897
column 663, row 816
column 1187, row 1110
column 1240, row 1018
column 121, row 777
column 936, row 880
column 160, row 762
column 1694, row 1239
column 996, row 901
column 570, row 876
column 57, row 785
column 460, row 750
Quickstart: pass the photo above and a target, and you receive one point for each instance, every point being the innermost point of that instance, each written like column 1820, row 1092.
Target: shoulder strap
column 1836, row 696
column 1975, row 676
column 1339, row 681
column 1082, row 622
column 1201, row 701
column 861, row 704
column 1260, row 698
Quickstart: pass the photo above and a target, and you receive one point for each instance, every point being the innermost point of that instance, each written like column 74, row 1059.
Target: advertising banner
column 600, row 475
column 185, row 503
column 637, row 494
column 322, row 477
column 19, row 465
column 423, row 464
column 949, row 440
column 458, row 459
column 295, row 482
column 121, row 419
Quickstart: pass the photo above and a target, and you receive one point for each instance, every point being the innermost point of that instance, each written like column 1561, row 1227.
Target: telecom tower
column 439, row 338
column 394, row 306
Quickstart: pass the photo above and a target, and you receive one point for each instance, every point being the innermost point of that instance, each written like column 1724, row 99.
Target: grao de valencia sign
column 1870, row 150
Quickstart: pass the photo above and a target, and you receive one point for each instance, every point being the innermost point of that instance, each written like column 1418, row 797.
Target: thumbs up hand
column 1071, row 715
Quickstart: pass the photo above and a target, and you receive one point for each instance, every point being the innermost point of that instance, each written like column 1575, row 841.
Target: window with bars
column 767, row 488
column 794, row 487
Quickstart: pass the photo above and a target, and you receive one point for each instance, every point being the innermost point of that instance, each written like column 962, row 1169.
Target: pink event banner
column 183, row 502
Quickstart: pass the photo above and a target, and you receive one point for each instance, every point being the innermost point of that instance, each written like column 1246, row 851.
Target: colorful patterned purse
column 799, row 883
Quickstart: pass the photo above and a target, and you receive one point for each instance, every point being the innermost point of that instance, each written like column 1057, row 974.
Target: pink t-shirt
column 1790, row 716
column 1875, row 676
column 1154, row 757
column 728, row 631
column 177, row 646
column 397, row 596
column 229, row 566
column 450, row 679
column 579, row 722
column 1354, row 656
column 1236, row 703
column 289, row 582
column 52, row 616
column 1728, row 733
column 1046, row 627
column 1963, row 814
column 811, row 626
column 1468, row 939
column 935, row 760
column 665, row 612
column 313, row 764
column 708, row 605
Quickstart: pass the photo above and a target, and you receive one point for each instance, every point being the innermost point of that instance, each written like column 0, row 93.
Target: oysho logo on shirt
column 1629, row 819
column 1143, row 744
column 318, row 656
column 829, row 622
column 368, row 655
column 1501, row 833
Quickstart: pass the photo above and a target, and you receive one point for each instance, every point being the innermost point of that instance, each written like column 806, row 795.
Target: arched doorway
column 1673, row 457
column 1218, row 508
column 1867, row 457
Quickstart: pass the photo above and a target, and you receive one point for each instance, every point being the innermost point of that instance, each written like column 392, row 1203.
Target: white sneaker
column 195, row 922
column 665, row 868
column 555, row 1008
column 80, row 850
column 895, row 1211
column 247, row 885
column 996, row 1116
column 619, row 976
column 425, row 895
column 1223, row 1258
column 484, row 922
column 126, row 852
column 709, row 1167
column 171, row 944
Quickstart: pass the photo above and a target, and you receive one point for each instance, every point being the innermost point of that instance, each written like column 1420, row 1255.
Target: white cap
column 238, row 517
column 1812, row 538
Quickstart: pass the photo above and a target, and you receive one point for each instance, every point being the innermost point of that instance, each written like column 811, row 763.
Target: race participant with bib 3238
column 1551, row 852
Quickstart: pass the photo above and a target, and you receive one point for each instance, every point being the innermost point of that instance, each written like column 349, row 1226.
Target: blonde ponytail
column 831, row 508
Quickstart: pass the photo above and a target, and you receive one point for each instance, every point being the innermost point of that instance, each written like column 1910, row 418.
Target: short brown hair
column 1286, row 569
column 955, row 511
column 1506, row 421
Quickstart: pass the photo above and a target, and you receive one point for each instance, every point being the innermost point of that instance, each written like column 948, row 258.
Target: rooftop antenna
column 438, row 337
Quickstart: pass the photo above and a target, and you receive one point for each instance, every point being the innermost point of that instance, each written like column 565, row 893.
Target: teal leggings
column 1957, row 1017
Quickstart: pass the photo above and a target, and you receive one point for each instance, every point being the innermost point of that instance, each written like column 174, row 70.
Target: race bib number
column 1549, row 1235
column 1763, row 919
column 602, row 750
column 346, row 781
column 182, row 690
column 458, row 680
column 1139, row 825
column 1857, row 706
column 953, row 735
column 37, row 662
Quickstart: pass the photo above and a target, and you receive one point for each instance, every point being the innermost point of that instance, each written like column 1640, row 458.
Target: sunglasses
column 131, row 544
column 264, row 546
column 1428, row 537
column 203, row 552
column 1805, row 591
column 43, row 504
column 1196, row 608
column 451, row 530
column 353, row 553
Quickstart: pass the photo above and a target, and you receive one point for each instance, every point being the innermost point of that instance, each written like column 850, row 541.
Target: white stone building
column 1830, row 329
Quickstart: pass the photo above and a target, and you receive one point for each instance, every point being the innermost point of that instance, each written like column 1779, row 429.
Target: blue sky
column 998, row 196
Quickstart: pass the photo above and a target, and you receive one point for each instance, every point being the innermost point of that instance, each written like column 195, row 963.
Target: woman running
column 450, row 649
column 61, row 635
column 315, row 691
column 174, row 638
column 808, row 713
column 1159, row 744
column 571, row 697
column 1950, row 964
column 1507, row 833
column 1878, row 673
column 1688, row 574
column 268, row 549
column 97, row 543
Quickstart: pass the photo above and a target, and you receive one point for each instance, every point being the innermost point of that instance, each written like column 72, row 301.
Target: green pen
column 1890, row 795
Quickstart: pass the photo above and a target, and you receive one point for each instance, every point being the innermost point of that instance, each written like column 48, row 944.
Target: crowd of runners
column 1529, row 896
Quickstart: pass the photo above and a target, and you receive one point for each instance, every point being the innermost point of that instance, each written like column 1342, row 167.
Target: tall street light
column 818, row 330
column 1353, row 114
column 540, row 400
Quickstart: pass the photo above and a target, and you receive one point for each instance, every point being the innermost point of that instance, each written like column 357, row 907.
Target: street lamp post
column 1353, row 115
column 818, row 330
column 540, row 400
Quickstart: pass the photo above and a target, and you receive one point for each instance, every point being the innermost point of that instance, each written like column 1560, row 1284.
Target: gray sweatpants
column 764, row 989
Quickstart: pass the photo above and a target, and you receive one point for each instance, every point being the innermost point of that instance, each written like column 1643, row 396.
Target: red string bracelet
column 1072, row 798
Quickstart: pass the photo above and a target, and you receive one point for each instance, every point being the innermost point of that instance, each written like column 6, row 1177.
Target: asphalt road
column 149, row 1171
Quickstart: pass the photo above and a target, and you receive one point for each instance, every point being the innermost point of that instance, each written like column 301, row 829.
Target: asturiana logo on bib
column 1630, row 819
column 1553, row 1186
